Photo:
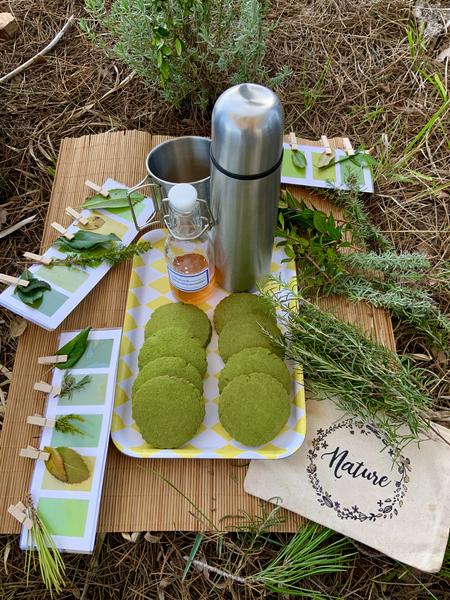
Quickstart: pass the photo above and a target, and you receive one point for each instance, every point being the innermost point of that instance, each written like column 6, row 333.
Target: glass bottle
column 189, row 251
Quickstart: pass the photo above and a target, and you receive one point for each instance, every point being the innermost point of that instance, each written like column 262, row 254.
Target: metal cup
column 181, row 160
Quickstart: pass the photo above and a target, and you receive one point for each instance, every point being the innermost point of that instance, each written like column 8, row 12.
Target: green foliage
column 64, row 424
column 391, row 264
column 363, row 378
column 112, row 256
column 86, row 240
column 188, row 49
column 74, row 349
column 309, row 553
column 70, row 384
column 115, row 199
column 298, row 158
column 33, row 293
column 310, row 234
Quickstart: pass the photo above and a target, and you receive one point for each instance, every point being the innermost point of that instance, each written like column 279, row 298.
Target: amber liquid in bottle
column 190, row 264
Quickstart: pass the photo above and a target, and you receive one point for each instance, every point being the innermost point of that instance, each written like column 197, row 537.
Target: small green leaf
column 178, row 47
column 320, row 221
column 73, row 349
column 164, row 70
column 326, row 160
column 298, row 159
column 159, row 58
column 86, row 240
column 76, row 469
column 116, row 199
column 34, row 291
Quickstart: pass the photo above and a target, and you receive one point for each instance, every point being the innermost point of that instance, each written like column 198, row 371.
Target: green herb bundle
column 341, row 364
column 70, row 384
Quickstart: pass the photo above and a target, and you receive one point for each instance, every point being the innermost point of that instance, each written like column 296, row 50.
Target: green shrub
column 190, row 49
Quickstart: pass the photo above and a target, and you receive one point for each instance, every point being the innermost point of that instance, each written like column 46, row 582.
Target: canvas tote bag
column 343, row 477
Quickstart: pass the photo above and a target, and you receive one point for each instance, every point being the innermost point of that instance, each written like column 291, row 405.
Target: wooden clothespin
column 13, row 280
column 76, row 215
column 41, row 421
column 348, row 147
column 96, row 188
column 37, row 258
column 34, row 453
column 19, row 512
column 43, row 386
column 52, row 360
column 326, row 144
column 293, row 140
column 60, row 229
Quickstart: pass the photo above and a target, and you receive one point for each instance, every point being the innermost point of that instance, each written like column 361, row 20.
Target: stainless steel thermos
column 246, row 155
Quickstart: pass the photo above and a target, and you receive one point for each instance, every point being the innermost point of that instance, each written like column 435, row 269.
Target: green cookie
column 168, row 365
column 186, row 316
column 254, row 408
column 255, row 360
column 243, row 333
column 168, row 411
column 238, row 305
column 173, row 341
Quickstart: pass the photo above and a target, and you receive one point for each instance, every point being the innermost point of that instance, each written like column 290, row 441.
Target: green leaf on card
column 86, row 240
column 33, row 293
column 326, row 160
column 74, row 349
column 116, row 199
column 298, row 158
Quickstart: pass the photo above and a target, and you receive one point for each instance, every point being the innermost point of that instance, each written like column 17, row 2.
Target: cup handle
column 155, row 198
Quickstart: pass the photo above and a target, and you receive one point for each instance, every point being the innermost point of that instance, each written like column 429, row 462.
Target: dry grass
column 354, row 73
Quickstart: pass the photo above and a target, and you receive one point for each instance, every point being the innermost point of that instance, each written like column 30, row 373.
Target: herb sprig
column 112, row 256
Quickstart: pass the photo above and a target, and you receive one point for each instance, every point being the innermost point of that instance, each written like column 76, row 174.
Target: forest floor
column 361, row 69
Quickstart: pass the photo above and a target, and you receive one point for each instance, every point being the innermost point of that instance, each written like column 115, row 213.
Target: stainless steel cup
column 246, row 155
column 181, row 160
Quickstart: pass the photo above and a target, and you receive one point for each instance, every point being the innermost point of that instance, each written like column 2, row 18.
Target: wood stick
column 293, row 140
column 348, row 147
column 37, row 258
column 52, row 360
column 41, row 421
column 35, row 453
column 43, row 386
column 16, row 226
column 44, row 51
column 96, row 188
column 13, row 280
column 326, row 144
column 19, row 513
column 60, row 229
column 76, row 215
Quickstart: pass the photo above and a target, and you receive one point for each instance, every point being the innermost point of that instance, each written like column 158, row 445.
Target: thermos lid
column 182, row 197
column 247, row 130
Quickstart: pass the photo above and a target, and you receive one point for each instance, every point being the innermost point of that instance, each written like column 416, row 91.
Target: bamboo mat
column 138, row 495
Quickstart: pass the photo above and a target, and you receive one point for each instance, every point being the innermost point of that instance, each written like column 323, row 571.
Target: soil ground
column 355, row 71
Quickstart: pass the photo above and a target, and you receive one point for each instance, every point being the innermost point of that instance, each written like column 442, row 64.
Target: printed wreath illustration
column 387, row 507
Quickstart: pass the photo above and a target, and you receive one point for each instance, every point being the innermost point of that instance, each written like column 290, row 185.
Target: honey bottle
column 189, row 251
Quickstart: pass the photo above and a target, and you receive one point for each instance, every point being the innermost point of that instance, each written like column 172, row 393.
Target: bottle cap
column 182, row 197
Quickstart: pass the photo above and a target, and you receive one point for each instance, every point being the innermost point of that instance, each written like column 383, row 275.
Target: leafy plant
column 112, row 256
column 86, row 240
column 363, row 378
column 117, row 198
column 359, row 158
column 309, row 553
column 66, row 465
column 64, row 424
column 33, row 293
column 70, row 384
column 187, row 49
column 74, row 349
column 51, row 565
column 298, row 158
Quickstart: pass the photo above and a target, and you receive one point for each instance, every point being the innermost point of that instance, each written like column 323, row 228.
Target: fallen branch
column 9, row 230
column 44, row 51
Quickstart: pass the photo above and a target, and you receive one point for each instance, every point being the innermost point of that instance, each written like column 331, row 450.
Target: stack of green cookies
column 167, row 396
column 255, row 382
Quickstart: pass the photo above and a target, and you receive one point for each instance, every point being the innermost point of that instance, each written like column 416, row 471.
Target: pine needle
column 112, row 256
column 64, row 424
column 70, row 384
column 51, row 565
column 363, row 378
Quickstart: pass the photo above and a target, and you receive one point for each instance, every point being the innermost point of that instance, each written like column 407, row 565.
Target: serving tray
column 148, row 289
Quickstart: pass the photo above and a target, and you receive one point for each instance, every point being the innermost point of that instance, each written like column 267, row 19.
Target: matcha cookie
column 255, row 360
column 238, row 305
column 254, row 408
column 168, row 411
column 243, row 333
column 169, row 365
column 173, row 341
column 186, row 316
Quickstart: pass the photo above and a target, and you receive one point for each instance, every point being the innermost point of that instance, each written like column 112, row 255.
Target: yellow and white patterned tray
column 149, row 288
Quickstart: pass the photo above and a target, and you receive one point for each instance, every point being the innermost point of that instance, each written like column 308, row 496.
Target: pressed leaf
column 76, row 469
column 326, row 159
column 74, row 349
column 34, row 291
column 55, row 464
column 298, row 158
column 116, row 199
column 93, row 222
column 86, row 240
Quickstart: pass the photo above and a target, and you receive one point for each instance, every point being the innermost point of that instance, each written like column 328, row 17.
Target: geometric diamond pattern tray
column 149, row 288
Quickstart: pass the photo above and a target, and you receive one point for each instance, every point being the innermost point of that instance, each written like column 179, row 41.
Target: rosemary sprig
column 389, row 263
column 51, row 564
column 64, row 424
column 70, row 385
column 112, row 256
column 363, row 378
